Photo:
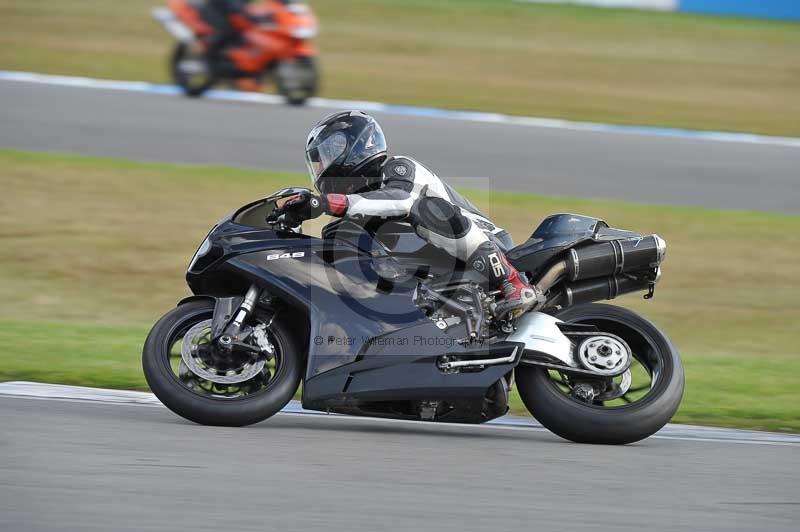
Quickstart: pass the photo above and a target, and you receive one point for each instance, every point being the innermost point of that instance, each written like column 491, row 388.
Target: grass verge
column 92, row 252
column 610, row 65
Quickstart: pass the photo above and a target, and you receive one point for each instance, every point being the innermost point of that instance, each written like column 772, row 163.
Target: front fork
column 230, row 314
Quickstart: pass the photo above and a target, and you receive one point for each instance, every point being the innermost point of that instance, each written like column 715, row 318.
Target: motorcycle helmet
column 345, row 152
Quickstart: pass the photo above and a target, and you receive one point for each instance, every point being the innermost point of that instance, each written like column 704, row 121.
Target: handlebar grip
column 276, row 213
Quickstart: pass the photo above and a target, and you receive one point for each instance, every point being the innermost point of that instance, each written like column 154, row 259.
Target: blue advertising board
column 776, row 9
column 779, row 9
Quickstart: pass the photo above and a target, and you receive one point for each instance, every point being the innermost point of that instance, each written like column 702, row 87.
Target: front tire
column 596, row 423
column 193, row 81
column 216, row 410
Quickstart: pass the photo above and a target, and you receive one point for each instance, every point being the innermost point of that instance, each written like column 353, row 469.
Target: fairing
column 270, row 32
column 367, row 338
column 556, row 234
column 353, row 296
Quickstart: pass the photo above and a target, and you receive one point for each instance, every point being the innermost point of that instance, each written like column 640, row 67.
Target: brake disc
column 200, row 335
column 193, row 66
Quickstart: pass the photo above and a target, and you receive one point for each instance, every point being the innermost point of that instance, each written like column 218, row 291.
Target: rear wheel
column 297, row 79
column 211, row 388
column 609, row 411
column 191, row 70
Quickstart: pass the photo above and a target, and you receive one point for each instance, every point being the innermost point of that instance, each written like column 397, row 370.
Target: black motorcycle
column 376, row 322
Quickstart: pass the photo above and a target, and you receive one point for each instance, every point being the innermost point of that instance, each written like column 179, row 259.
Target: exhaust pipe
column 552, row 276
column 174, row 27
column 615, row 257
column 606, row 270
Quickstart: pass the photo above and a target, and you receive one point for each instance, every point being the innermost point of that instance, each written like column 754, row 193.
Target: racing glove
column 306, row 205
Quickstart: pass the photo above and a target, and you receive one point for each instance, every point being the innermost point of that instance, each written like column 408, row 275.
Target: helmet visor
column 320, row 157
column 370, row 142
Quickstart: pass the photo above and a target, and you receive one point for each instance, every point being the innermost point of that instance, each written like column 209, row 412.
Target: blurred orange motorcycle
column 274, row 41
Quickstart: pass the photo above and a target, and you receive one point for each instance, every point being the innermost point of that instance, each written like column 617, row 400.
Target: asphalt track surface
column 78, row 466
column 81, row 466
column 552, row 161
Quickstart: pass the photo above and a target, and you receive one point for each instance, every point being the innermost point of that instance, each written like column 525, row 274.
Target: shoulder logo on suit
column 400, row 170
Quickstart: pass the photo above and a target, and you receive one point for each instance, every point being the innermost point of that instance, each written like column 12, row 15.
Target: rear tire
column 587, row 423
column 234, row 412
column 190, row 86
column 297, row 80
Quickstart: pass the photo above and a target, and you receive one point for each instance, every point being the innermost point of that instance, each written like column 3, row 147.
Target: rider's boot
column 518, row 295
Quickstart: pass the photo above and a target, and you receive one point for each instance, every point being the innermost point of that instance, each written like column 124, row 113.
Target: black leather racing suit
column 412, row 193
column 217, row 13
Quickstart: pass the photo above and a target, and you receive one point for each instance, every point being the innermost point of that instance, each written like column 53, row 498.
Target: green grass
column 610, row 65
column 83, row 354
column 93, row 251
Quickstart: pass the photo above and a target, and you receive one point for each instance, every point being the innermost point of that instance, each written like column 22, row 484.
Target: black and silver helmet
column 344, row 153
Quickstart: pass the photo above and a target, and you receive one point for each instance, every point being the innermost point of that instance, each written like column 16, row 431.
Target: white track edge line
column 425, row 112
column 61, row 392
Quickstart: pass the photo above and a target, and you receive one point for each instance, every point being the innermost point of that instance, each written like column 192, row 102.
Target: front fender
column 224, row 309
column 194, row 298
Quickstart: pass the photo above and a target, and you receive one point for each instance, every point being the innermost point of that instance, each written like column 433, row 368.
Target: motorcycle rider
column 218, row 14
column 347, row 160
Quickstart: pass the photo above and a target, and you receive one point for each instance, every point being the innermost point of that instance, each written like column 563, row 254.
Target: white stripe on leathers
column 461, row 248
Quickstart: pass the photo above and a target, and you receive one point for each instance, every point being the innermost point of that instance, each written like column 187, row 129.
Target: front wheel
column 191, row 70
column 609, row 411
column 189, row 374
